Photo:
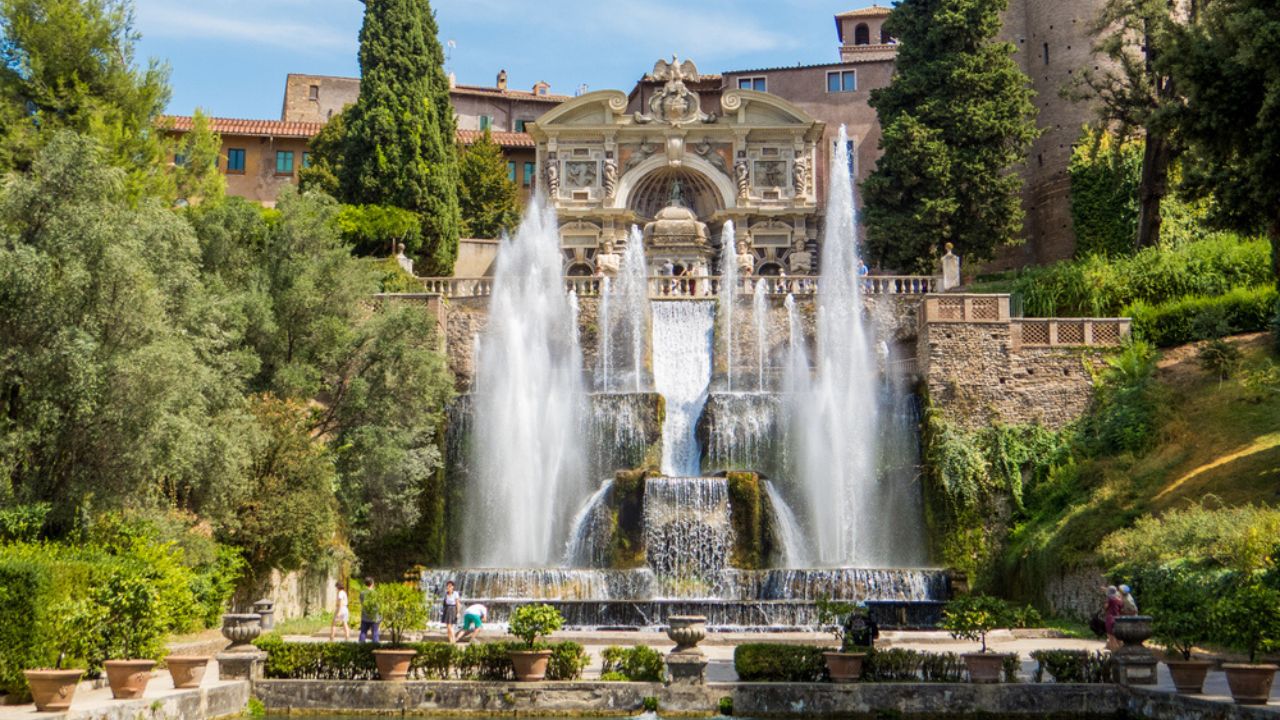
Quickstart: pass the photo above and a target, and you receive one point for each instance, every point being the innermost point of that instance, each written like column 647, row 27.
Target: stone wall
column 296, row 594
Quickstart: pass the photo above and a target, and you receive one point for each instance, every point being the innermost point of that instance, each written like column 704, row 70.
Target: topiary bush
column 635, row 664
column 530, row 622
column 773, row 662
column 971, row 617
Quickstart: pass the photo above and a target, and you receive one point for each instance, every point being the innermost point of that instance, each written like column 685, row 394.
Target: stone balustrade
column 662, row 286
column 1058, row 332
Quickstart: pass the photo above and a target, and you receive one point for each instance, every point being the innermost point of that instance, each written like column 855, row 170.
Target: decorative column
column 242, row 660
column 686, row 664
column 950, row 270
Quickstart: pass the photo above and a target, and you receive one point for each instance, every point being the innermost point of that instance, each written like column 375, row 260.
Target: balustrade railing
column 689, row 286
column 1058, row 332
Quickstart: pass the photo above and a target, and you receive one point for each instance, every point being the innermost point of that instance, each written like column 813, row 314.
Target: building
column 258, row 157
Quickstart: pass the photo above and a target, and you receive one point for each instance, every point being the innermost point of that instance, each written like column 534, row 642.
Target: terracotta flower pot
column 984, row 667
column 393, row 664
column 531, row 665
column 1250, row 684
column 1188, row 675
column 53, row 689
column 844, row 667
column 187, row 670
column 128, row 678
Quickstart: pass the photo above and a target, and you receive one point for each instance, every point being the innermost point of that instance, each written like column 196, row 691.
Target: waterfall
column 529, row 411
column 604, row 344
column 688, row 535
column 759, row 316
column 633, row 301
column 589, row 526
column 682, row 337
column 788, row 529
column 744, row 431
column 836, row 419
column 728, row 294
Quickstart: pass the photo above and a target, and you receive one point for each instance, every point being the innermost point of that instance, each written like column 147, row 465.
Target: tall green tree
column 399, row 146
column 490, row 201
column 69, row 65
column 326, row 158
column 197, row 177
column 1225, row 66
column 957, row 117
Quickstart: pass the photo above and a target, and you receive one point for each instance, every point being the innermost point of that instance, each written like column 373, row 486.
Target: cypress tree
column 489, row 199
column 957, row 117
column 399, row 145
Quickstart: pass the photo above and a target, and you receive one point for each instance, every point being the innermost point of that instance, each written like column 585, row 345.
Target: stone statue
column 707, row 151
column 642, row 153
column 746, row 260
column 610, row 179
column 800, row 175
column 677, row 194
column 742, row 174
column 553, row 178
column 675, row 103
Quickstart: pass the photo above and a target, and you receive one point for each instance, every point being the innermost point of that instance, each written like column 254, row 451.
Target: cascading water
column 682, row 336
column 759, row 316
column 688, row 535
column 788, row 529
column 728, row 295
column 529, row 410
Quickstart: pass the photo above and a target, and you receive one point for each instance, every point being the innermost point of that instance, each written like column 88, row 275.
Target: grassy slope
column 1215, row 440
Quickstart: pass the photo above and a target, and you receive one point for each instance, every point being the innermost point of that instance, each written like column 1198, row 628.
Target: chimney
column 453, row 81
column 502, row 79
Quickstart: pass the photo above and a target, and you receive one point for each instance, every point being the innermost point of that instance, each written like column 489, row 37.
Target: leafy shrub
column 376, row 229
column 434, row 661
column 1220, row 358
column 403, row 609
column 1073, row 666
column 902, row 665
column 971, row 617
column 23, row 523
column 1239, row 539
column 1200, row 317
column 1248, row 617
column 568, row 660
column 530, row 622
column 1104, row 174
column 1176, row 597
column 1125, row 407
column 649, row 703
column 1026, row 617
column 725, row 705
column 1262, row 384
column 133, row 621
column 773, row 662
column 637, row 664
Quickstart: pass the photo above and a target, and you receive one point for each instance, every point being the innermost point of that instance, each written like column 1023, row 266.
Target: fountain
column 728, row 296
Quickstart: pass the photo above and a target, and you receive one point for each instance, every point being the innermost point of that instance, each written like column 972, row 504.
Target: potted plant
column 54, row 688
column 131, row 631
column 1177, row 600
column 855, row 632
column 971, row 617
column 530, row 622
column 1249, row 615
column 403, row 609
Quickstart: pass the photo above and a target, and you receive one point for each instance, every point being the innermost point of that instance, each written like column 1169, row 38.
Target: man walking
column 370, row 618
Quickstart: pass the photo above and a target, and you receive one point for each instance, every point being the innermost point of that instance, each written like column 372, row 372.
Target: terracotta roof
column 505, row 139
column 508, row 93
column 236, row 126
column 873, row 11
column 889, row 51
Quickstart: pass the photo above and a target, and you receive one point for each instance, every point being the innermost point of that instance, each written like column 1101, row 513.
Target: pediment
column 597, row 108
column 748, row 107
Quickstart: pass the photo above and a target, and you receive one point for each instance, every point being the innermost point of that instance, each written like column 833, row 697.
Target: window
column 752, row 83
column 862, row 34
column 528, row 174
column 842, row 81
column 306, row 159
column 314, row 92
column 284, row 162
column 520, row 125
column 180, row 159
column 1046, row 53
column 511, row 171
column 485, row 122
column 885, row 37
column 235, row 160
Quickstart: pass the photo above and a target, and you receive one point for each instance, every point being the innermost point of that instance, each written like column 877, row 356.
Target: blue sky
column 230, row 57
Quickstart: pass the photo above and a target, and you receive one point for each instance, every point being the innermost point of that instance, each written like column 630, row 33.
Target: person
column 1111, row 611
column 472, row 620
column 450, row 615
column 341, row 614
column 370, row 618
column 1130, row 606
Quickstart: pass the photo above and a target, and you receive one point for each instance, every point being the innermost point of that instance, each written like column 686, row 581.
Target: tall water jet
column 837, row 418
column 682, row 337
column 728, row 294
column 530, row 407
column 759, row 316
column 788, row 530
column 604, row 345
column 631, row 300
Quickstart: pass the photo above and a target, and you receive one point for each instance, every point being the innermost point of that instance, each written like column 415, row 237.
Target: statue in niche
column 641, row 154
column 800, row 175
column 742, row 174
column 553, row 176
column 610, row 176
column 746, row 259
column 677, row 194
column 675, row 103
column 707, row 151
column 771, row 173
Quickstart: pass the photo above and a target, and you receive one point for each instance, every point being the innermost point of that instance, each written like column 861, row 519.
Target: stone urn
column 1135, row 664
column 266, row 610
column 241, row 629
column 1132, row 630
column 1188, row 675
column 53, row 689
column 187, row 671
column 1250, row 684
column 686, row 631
column 128, row 678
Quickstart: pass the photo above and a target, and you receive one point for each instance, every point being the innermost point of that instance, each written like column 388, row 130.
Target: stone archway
column 647, row 188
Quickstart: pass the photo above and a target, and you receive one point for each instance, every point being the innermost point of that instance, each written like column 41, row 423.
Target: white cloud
column 244, row 23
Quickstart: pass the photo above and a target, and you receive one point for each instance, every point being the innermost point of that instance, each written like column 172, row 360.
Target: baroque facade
column 680, row 166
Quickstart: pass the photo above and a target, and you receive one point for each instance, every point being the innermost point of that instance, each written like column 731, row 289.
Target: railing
column 1060, row 332
column 688, row 286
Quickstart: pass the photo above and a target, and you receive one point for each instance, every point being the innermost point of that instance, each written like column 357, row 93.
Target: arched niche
column 647, row 188
column 861, row 34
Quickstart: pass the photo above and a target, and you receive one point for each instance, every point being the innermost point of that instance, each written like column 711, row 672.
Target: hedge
column 1201, row 317
column 635, row 664
column 773, row 662
column 24, row 593
column 434, row 661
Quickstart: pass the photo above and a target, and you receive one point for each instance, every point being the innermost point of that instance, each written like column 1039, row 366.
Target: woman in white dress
column 341, row 614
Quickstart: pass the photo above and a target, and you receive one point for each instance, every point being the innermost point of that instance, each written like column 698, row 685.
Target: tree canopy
column 489, row 200
column 956, row 118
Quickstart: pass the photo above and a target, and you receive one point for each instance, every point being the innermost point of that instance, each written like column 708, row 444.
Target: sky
column 230, row 57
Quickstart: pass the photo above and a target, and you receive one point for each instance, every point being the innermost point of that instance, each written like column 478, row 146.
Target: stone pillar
column 686, row 664
column 1135, row 664
column 241, row 665
column 950, row 270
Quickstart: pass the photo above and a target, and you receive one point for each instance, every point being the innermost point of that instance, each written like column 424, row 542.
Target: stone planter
column 686, row 631
column 241, row 629
column 531, row 665
column 393, row 664
column 844, row 667
column 1188, row 675
column 187, row 671
column 984, row 667
column 128, row 678
column 53, row 689
column 1250, row 684
column 266, row 611
column 1133, row 630
column 1135, row 664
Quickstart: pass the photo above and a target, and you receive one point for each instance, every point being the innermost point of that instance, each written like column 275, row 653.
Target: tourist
column 1130, row 606
column 370, row 619
column 450, row 614
column 341, row 614
column 1115, row 604
column 472, row 620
